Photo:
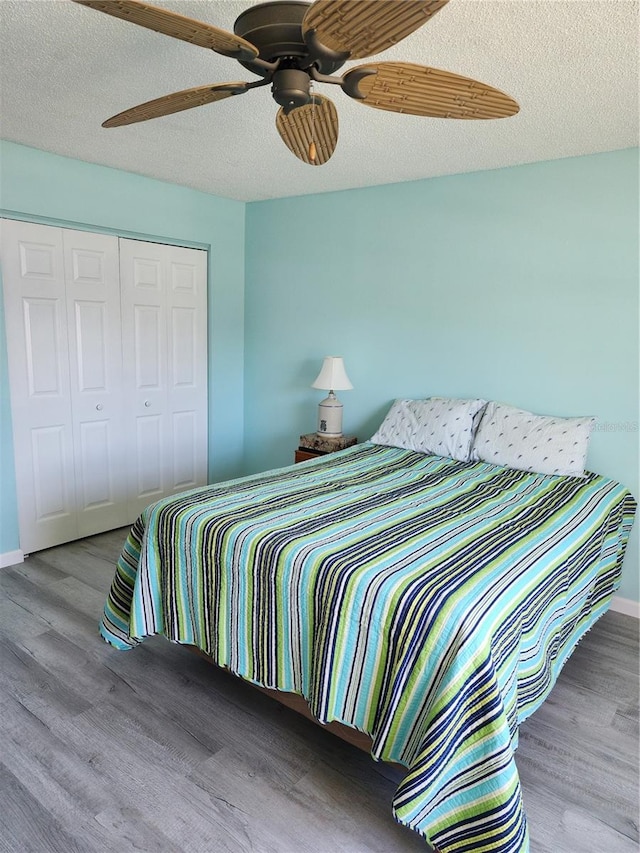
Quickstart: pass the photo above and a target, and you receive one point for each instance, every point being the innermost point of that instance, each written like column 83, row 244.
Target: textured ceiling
column 571, row 64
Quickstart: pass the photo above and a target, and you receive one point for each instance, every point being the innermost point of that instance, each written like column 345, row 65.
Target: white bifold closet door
column 101, row 426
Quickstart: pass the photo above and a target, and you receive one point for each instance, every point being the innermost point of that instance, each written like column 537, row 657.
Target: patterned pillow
column 528, row 442
column 438, row 426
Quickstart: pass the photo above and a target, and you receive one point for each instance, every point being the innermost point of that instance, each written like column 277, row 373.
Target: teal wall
column 518, row 285
column 56, row 190
column 8, row 507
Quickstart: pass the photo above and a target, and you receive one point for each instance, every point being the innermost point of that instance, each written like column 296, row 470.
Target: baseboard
column 626, row 606
column 11, row 558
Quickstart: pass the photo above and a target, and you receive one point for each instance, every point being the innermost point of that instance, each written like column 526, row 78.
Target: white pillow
column 438, row 426
column 545, row 445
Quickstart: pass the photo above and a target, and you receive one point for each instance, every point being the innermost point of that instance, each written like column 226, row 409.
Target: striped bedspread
column 426, row 602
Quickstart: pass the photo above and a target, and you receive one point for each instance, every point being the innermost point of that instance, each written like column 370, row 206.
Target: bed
column 425, row 602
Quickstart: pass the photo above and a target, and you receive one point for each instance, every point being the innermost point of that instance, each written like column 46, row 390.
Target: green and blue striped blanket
column 426, row 602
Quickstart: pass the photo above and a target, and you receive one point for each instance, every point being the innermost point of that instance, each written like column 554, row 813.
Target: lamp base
column 330, row 417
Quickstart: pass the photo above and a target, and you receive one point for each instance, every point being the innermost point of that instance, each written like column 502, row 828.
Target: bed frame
column 299, row 704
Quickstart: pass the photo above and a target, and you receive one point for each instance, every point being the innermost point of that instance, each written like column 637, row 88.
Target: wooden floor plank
column 156, row 750
column 28, row 827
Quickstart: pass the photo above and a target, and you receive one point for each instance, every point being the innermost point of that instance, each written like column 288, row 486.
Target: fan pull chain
column 312, row 145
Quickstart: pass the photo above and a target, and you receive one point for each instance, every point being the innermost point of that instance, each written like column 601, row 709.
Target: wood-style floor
column 155, row 750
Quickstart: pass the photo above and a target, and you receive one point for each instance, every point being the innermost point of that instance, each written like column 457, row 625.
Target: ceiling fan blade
column 174, row 103
column 419, row 90
column 362, row 27
column 310, row 132
column 177, row 26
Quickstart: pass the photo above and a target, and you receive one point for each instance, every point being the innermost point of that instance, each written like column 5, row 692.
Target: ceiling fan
column 292, row 45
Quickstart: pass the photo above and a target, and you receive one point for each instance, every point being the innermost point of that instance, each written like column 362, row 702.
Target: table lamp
column 332, row 377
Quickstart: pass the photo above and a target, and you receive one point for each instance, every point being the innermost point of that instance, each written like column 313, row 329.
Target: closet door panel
column 144, row 322
column 37, row 342
column 149, row 484
column 187, row 352
column 95, row 346
column 186, row 471
column 44, row 333
column 165, row 358
column 52, row 486
column 149, row 349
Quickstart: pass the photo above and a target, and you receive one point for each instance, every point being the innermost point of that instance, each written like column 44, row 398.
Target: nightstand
column 313, row 445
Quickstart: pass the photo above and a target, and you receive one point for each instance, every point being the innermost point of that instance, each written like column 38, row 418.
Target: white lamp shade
column 333, row 376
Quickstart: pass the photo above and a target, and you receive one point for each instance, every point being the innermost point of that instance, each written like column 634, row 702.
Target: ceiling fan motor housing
column 275, row 28
column 290, row 88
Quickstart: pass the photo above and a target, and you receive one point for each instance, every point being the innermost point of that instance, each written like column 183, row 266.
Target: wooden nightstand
column 313, row 445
